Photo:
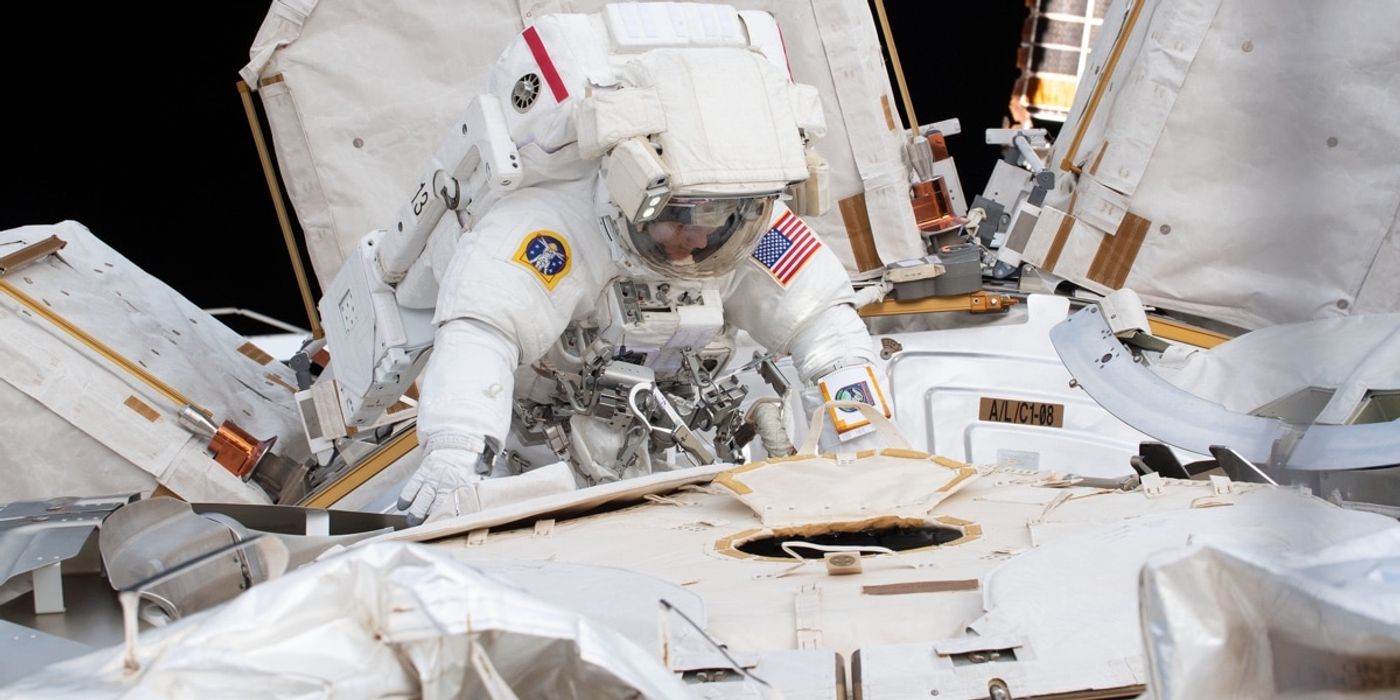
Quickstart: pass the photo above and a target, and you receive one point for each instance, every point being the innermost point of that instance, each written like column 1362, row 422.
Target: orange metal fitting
column 238, row 451
column 933, row 206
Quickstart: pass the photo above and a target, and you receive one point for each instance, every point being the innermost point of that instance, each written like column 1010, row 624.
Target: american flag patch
column 786, row 247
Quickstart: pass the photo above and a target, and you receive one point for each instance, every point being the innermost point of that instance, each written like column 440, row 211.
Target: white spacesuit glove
column 444, row 485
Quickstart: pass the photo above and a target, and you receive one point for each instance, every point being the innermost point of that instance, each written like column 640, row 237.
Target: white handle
column 883, row 426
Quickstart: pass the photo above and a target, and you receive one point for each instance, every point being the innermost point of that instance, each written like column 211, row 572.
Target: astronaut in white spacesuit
column 546, row 273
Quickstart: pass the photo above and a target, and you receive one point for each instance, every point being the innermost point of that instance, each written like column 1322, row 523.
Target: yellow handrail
column 276, row 191
column 100, row 348
column 898, row 69
column 1105, row 77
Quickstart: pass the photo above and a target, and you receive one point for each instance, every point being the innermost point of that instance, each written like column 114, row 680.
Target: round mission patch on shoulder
column 547, row 255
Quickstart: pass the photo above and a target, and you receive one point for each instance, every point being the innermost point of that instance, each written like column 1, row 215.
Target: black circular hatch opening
column 903, row 536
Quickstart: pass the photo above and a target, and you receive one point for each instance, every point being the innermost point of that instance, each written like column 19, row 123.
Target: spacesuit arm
column 830, row 339
column 465, row 406
column 513, row 284
column 466, row 396
column 809, row 314
column 799, row 303
column 834, row 347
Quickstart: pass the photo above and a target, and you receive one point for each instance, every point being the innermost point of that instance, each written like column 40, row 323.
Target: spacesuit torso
column 541, row 273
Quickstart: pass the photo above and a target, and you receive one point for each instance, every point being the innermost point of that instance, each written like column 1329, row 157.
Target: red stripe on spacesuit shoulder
column 551, row 74
column 783, row 42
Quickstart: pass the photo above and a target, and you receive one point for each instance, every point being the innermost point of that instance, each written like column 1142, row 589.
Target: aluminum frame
column 1107, row 371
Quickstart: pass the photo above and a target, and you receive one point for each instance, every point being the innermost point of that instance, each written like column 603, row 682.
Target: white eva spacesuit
column 656, row 142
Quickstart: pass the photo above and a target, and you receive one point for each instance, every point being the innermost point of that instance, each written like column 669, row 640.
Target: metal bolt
column 1343, row 304
column 1247, row 46
column 1165, row 229
column 1332, row 141
column 358, row 142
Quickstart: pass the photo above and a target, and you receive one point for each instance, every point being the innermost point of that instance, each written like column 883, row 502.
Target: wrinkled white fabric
column 1225, row 617
column 387, row 620
column 1257, row 368
column 714, row 101
column 425, row 73
column 66, row 406
column 822, row 489
column 1237, row 228
column 500, row 491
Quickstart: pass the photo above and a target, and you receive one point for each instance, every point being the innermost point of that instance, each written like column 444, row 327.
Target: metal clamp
column 679, row 432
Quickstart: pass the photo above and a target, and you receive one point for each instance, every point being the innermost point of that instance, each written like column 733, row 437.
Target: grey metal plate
column 38, row 533
column 24, row 650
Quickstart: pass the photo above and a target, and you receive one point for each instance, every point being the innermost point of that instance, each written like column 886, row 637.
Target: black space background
column 116, row 120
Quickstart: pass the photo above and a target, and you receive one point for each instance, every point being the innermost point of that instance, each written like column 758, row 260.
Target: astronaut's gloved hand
column 445, row 485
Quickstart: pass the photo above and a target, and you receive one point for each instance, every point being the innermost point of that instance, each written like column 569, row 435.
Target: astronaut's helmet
column 696, row 237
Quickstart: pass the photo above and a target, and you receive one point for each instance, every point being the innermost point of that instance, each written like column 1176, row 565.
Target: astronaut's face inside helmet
column 701, row 236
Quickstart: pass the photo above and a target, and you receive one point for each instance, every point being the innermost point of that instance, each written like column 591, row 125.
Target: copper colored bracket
column 238, row 451
column 976, row 302
column 858, row 230
column 30, row 253
column 938, row 146
column 984, row 303
column 933, row 206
